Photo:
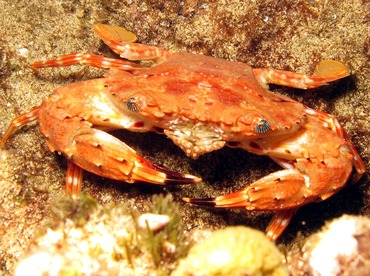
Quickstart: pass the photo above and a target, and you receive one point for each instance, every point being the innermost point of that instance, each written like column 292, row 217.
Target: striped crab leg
column 326, row 71
column 121, row 42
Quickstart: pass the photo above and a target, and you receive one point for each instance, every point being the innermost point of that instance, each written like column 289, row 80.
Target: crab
column 202, row 104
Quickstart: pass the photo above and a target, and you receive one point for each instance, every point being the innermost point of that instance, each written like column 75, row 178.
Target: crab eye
column 262, row 126
column 132, row 104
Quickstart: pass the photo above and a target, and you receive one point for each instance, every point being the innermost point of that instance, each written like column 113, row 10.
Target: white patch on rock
column 337, row 241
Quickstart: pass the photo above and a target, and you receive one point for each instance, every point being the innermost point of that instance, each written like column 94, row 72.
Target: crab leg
column 121, row 42
column 279, row 222
column 87, row 59
column 18, row 122
column 74, row 176
column 326, row 71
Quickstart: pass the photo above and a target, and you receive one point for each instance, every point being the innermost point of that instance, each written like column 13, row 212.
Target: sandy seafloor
column 291, row 35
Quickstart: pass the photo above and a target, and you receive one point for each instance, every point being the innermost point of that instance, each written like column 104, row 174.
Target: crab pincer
column 94, row 150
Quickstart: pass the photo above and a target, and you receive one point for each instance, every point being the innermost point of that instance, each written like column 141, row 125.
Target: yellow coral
column 233, row 251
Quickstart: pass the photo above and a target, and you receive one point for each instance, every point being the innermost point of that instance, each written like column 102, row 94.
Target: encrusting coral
column 233, row 251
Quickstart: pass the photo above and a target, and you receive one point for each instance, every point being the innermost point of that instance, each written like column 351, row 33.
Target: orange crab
column 202, row 104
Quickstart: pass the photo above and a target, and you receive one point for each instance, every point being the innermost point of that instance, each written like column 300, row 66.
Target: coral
column 342, row 247
column 88, row 238
column 233, row 251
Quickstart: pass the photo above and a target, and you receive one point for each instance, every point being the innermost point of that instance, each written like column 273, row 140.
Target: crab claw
column 95, row 151
column 113, row 159
column 235, row 200
column 281, row 191
column 276, row 226
column 149, row 172
column 100, row 153
column 142, row 170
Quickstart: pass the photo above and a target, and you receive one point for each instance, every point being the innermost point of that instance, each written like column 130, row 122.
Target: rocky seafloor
column 290, row 35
